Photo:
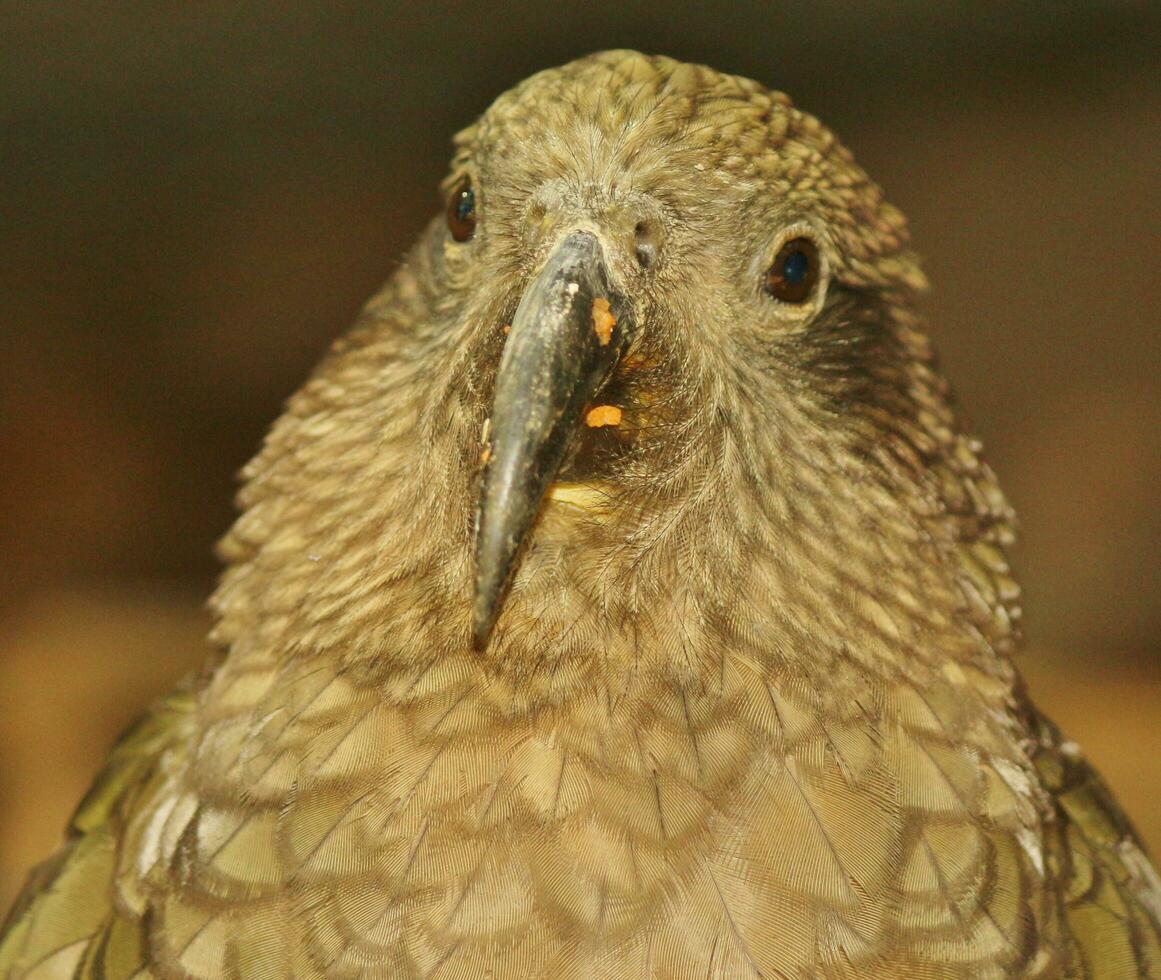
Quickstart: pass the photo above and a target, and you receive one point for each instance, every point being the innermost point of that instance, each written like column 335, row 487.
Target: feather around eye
column 794, row 273
column 461, row 210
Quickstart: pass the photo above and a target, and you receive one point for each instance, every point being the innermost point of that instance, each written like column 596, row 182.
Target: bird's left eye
column 461, row 210
column 794, row 274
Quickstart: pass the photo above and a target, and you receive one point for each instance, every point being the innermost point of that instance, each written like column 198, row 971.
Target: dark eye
column 461, row 210
column 793, row 275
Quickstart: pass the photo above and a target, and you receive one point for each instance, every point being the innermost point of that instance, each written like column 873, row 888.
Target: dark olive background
column 196, row 197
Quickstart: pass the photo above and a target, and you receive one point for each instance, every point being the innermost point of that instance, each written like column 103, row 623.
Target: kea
column 621, row 598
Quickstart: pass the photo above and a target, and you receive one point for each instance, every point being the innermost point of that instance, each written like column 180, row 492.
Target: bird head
column 659, row 353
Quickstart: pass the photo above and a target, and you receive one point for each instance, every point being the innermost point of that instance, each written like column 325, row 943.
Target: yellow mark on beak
column 603, row 415
column 603, row 321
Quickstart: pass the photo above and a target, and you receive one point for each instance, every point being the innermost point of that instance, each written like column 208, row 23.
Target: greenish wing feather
column 65, row 922
column 1111, row 891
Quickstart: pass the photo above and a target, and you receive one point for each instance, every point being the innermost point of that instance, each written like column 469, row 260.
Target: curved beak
column 567, row 336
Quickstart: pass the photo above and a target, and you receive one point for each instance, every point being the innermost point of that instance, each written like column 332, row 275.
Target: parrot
column 622, row 597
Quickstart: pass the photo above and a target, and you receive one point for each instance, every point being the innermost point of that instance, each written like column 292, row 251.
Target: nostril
column 647, row 243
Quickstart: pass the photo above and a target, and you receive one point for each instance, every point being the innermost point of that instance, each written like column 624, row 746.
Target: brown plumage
column 746, row 708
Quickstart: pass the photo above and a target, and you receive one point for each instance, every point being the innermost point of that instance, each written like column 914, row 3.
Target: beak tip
column 484, row 613
column 481, row 632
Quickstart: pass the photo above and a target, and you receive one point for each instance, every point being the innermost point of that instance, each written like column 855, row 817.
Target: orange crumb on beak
column 602, row 415
column 603, row 321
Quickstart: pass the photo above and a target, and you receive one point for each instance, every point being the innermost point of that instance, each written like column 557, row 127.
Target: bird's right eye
column 794, row 274
column 461, row 210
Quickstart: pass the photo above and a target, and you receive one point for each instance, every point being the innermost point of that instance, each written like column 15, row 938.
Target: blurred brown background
column 194, row 198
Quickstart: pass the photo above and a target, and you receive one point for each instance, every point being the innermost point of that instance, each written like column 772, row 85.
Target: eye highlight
column 461, row 210
column 794, row 273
